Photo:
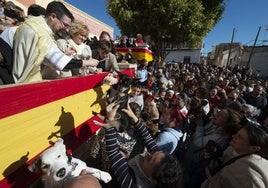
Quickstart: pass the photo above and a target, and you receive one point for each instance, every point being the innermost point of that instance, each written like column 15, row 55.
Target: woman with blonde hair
column 78, row 33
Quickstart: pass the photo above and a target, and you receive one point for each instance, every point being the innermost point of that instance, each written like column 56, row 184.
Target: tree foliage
column 174, row 21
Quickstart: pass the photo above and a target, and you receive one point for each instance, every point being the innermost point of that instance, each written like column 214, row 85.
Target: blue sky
column 246, row 16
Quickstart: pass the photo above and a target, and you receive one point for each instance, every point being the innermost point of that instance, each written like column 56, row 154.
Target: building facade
column 224, row 55
column 181, row 53
column 95, row 25
column 184, row 55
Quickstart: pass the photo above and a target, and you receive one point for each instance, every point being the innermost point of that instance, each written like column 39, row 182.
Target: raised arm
column 142, row 131
column 119, row 165
column 123, row 173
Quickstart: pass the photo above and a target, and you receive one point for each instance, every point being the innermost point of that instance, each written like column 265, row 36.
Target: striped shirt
column 119, row 166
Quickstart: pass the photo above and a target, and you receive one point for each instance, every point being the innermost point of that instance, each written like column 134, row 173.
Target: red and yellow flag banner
column 139, row 53
column 33, row 116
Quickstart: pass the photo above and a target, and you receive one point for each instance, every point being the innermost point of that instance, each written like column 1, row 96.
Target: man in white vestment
column 34, row 44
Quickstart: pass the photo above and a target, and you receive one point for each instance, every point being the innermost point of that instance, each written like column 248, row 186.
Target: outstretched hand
column 70, row 51
column 130, row 113
column 90, row 62
column 111, row 110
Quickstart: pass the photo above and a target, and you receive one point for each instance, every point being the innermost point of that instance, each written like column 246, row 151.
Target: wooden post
column 230, row 50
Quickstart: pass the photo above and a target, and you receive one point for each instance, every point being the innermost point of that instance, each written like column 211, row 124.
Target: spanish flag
column 33, row 116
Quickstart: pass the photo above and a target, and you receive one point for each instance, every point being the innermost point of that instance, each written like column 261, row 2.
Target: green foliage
column 175, row 21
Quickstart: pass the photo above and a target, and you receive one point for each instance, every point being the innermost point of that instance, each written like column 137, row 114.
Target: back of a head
column 236, row 106
column 232, row 123
column 84, row 181
column 105, row 36
column 136, row 108
column 36, row 10
column 59, row 9
column 143, row 63
column 15, row 12
column 169, row 173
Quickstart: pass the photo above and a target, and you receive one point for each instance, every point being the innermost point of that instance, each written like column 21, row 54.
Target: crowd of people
column 213, row 108
column 212, row 120
column 205, row 116
column 195, row 125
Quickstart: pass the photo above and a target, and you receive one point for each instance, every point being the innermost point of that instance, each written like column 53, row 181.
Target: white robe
column 33, row 43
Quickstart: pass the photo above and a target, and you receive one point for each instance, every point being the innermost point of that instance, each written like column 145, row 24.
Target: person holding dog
column 151, row 169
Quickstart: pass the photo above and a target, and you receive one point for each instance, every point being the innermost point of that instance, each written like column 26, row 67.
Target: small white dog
column 58, row 168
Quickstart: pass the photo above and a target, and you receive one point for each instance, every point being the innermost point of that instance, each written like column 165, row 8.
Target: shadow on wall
column 66, row 127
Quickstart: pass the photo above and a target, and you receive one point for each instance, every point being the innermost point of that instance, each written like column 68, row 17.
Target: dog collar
column 74, row 165
column 69, row 162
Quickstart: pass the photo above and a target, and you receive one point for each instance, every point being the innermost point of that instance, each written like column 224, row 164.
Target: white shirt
column 8, row 35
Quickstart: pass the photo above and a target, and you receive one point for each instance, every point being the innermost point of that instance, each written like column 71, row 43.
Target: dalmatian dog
column 58, row 168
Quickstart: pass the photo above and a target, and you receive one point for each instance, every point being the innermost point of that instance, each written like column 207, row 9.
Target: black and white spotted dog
column 58, row 168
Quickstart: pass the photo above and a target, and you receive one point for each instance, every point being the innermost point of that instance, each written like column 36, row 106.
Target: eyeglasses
column 65, row 25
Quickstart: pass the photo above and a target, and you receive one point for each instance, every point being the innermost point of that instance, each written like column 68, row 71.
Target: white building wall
column 259, row 62
column 233, row 60
column 179, row 56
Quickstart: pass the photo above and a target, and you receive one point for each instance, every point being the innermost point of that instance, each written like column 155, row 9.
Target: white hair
column 253, row 111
